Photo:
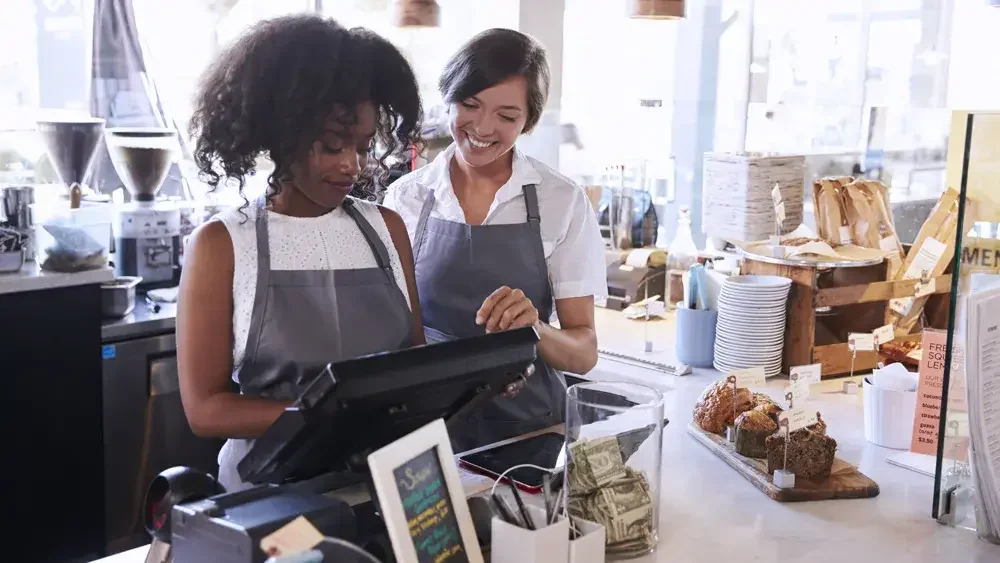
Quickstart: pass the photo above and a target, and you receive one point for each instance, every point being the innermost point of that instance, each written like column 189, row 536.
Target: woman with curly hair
column 306, row 273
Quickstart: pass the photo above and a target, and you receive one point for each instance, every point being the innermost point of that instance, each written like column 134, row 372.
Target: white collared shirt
column 571, row 238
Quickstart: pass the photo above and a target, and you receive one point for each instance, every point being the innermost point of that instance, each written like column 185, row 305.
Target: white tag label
column 926, row 258
column 625, row 268
column 799, row 390
column 845, row 235
column 811, row 374
column 779, row 212
column 298, row 535
column 888, row 244
column 901, row 306
column 922, row 289
column 860, row 342
column 798, row 418
column 884, row 334
column 776, row 195
column 750, row 377
column 656, row 307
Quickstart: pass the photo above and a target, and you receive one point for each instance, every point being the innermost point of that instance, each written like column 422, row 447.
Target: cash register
column 321, row 443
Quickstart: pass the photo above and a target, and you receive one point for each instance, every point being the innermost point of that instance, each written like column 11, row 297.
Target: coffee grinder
column 147, row 232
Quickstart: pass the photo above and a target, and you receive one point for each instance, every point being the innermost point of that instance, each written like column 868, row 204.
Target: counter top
column 708, row 512
column 33, row 278
column 142, row 321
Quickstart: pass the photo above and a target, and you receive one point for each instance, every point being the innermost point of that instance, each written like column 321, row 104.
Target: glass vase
column 614, row 436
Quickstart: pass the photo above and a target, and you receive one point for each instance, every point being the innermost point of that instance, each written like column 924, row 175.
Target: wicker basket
column 736, row 194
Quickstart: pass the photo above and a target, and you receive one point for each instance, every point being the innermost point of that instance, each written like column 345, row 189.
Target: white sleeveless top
column 329, row 242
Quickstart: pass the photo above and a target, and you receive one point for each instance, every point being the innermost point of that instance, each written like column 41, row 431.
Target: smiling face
column 326, row 175
column 485, row 126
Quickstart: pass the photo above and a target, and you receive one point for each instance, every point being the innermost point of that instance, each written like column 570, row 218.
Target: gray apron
column 304, row 319
column 457, row 267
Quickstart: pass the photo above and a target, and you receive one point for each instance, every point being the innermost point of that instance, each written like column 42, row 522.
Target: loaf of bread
column 752, row 429
column 714, row 410
column 810, row 452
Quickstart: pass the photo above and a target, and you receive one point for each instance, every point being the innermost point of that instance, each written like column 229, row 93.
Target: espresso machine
column 147, row 232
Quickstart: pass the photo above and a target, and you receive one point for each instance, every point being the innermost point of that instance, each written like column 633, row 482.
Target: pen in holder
column 524, row 533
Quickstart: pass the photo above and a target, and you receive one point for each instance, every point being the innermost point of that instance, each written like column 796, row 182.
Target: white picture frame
column 383, row 465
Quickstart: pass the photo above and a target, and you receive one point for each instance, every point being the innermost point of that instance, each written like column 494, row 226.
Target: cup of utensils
column 12, row 246
column 523, row 532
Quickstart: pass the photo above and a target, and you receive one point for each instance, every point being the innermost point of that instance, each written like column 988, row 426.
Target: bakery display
column 810, row 452
column 714, row 410
column 752, row 430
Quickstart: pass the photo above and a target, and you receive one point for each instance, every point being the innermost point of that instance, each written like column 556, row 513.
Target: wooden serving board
column 845, row 481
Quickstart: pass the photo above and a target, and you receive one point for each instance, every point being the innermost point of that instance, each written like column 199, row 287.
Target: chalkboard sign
column 422, row 499
column 430, row 516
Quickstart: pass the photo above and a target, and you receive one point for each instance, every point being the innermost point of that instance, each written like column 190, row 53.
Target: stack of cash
column 603, row 489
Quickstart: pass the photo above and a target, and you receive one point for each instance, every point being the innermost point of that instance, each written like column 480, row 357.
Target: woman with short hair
column 498, row 237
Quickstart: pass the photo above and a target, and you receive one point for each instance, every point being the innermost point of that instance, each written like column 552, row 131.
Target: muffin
column 714, row 410
column 810, row 452
column 752, row 429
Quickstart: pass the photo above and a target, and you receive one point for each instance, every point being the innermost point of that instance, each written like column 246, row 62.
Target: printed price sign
column 779, row 212
column 776, row 195
column 798, row 418
column 799, row 390
column 922, row 288
column 750, row 377
column 901, row 306
column 656, row 307
column 884, row 334
column 810, row 374
column 860, row 342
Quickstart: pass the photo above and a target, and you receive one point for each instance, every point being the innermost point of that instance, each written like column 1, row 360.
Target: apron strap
column 263, row 278
column 535, row 222
column 374, row 241
column 421, row 232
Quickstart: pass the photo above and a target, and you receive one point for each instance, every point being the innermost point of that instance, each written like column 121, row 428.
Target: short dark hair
column 491, row 57
column 272, row 91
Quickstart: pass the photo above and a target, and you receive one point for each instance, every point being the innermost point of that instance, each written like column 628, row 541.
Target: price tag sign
column 810, row 374
column 750, row 377
column 799, row 390
column 798, row 418
column 860, row 342
column 776, row 195
column 884, row 334
column 925, row 288
column 656, row 307
column 901, row 306
column 779, row 212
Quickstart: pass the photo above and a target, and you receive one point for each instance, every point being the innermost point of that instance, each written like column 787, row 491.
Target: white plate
column 760, row 281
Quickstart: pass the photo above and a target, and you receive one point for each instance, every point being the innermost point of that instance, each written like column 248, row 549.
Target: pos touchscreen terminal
column 357, row 406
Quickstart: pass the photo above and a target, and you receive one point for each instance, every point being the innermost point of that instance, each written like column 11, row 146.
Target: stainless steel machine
column 147, row 231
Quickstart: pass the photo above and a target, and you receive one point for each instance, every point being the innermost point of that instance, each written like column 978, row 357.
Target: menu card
column 429, row 513
column 983, row 379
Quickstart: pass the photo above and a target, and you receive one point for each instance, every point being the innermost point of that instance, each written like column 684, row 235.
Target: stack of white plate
column 751, row 327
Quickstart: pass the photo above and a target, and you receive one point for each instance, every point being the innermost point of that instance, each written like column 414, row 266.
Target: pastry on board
column 810, row 452
column 752, row 429
column 714, row 410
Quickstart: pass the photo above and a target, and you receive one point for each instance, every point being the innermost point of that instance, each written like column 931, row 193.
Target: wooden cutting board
column 845, row 481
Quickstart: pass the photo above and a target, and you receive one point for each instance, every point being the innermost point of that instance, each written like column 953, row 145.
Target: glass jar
column 614, row 436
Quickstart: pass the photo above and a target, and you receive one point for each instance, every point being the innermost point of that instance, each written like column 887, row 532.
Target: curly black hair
column 271, row 92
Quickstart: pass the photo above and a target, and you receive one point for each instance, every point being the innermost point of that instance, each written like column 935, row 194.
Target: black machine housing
column 321, row 443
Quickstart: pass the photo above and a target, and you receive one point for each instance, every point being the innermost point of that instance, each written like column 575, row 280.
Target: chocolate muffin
column 810, row 453
column 752, row 429
column 714, row 410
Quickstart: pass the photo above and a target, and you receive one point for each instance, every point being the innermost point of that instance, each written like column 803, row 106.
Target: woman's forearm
column 571, row 349
column 231, row 415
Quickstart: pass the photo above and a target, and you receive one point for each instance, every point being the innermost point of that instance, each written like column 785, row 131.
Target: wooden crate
column 857, row 296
